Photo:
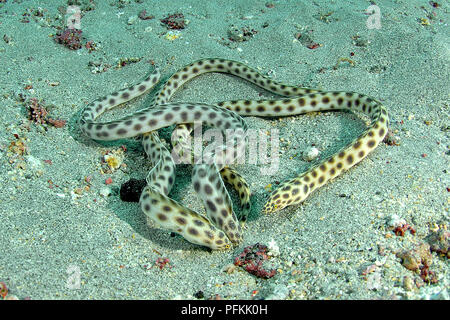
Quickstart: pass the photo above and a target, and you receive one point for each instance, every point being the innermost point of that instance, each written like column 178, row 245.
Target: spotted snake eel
column 220, row 228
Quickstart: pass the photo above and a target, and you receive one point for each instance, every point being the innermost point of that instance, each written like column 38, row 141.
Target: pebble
column 413, row 259
column 35, row 165
column 172, row 35
column 105, row 192
column 235, row 34
column 408, row 283
column 310, row 154
column 273, row 249
column 229, row 268
column 374, row 281
column 440, row 242
column 132, row 20
column 394, row 221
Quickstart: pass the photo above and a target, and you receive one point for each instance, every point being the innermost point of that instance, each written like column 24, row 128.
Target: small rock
column 175, row 21
column 393, row 221
column 440, row 242
column 413, row 259
column 391, row 139
column 199, row 294
column 132, row 20
column 374, row 281
column 229, row 268
column 105, row 192
column 310, row 154
column 274, row 250
column 235, row 34
column 34, row 164
column 239, row 34
column 408, row 283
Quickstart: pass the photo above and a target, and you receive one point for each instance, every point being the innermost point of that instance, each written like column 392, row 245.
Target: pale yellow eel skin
column 220, row 228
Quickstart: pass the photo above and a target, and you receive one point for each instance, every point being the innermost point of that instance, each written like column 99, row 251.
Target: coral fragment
column 252, row 258
column 70, row 38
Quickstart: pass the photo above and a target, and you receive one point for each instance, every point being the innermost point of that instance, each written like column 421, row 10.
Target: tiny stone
column 408, row 283
column 310, row 154
column 132, row 20
column 440, row 242
column 393, row 221
column 34, row 163
column 273, row 249
column 105, row 191
column 229, row 268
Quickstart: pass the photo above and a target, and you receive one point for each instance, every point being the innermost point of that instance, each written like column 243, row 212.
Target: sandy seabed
column 65, row 233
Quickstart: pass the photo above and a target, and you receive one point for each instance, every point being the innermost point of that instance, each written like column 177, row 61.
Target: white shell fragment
column 310, row 154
